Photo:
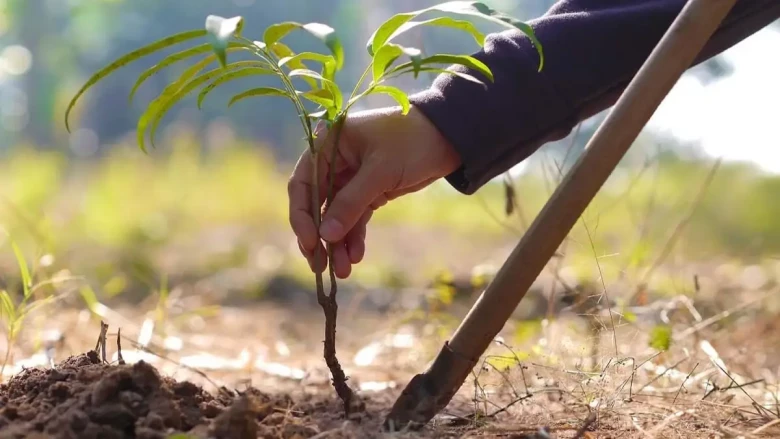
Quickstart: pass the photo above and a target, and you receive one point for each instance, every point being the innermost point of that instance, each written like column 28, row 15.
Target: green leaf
column 166, row 105
column 391, row 26
column 465, row 76
column 297, row 59
column 388, row 53
column 276, row 32
column 323, row 32
column 448, row 22
column 176, row 57
column 220, row 30
column 229, row 76
column 329, row 71
column 465, row 60
column 256, row 92
column 170, row 59
column 338, row 99
column 320, row 96
column 283, row 52
column 23, row 269
column 395, row 93
column 128, row 58
column 661, row 337
column 173, row 93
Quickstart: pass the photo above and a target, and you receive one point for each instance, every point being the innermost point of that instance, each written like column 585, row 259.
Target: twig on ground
column 716, row 318
column 119, row 346
column 585, row 425
column 682, row 385
column 766, row 426
column 101, row 342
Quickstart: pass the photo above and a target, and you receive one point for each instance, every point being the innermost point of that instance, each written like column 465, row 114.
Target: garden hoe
column 430, row 392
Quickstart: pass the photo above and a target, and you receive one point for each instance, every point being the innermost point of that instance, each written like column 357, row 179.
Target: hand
column 382, row 155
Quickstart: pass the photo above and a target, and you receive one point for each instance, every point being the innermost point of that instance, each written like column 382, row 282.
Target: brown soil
column 85, row 398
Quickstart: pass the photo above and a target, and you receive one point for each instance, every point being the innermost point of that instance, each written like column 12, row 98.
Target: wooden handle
column 430, row 392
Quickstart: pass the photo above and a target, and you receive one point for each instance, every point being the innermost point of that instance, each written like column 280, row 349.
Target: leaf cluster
column 320, row 98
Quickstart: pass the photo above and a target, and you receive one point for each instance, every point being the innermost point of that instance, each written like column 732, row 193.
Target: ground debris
column 82, row 397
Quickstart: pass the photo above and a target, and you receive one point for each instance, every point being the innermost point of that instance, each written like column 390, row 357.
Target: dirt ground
column 718, row 382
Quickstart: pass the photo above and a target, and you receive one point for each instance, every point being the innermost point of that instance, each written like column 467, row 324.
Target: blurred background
column 198, row 229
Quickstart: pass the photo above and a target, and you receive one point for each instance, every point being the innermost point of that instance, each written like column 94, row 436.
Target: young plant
column 13, row 315
column 319, row 100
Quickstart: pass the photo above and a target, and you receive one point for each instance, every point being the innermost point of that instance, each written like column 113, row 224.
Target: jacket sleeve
column 592, row 49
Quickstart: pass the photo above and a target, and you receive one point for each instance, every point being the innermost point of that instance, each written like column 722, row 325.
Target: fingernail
column 331, row 230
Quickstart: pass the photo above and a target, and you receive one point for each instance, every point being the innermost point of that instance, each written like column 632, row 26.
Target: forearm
column 592, row 49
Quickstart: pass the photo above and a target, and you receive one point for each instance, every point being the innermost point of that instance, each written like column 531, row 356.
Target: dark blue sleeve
column 592, row 49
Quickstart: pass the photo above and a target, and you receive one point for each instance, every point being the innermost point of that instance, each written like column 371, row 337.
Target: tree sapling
column 319, row 98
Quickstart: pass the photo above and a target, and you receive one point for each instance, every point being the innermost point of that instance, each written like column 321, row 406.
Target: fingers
column 351, row 202
column 356, row 239
column 299, row 190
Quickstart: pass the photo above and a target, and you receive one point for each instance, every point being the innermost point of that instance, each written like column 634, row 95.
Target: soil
column 84, row 398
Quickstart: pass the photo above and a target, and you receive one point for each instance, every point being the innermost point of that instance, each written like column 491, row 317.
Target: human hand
column 382, row 155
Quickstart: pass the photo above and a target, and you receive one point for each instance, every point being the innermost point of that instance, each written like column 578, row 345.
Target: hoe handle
column 430, row 392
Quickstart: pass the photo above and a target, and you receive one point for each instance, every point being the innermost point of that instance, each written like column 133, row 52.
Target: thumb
column 351, row 202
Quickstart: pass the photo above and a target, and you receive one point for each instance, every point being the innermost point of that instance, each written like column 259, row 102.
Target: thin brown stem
column 328, row 302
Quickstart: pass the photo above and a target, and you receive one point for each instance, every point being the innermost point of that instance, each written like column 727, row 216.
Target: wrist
column 447, row 157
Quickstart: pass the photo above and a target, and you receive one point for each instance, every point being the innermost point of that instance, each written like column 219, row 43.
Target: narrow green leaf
column 328, row 36
column 470, row 8
column 447, row 22
column 167, row 61
column 229, row 76
column 312, row 56
column 283, row 52
column 338, row 98
column 464, row 60
column 424, row 69
column 7, row 306
column 256, row 92
column 320, row 96
column 388, row 53
column 220, row 31
column 176, row 57
column 329, row 71
column 323, row 32
column 166, row 105
column 173, row 92
column 383, row 32
column 276, row 32
column 23, row 269
column 395, row 93
column 128, row 58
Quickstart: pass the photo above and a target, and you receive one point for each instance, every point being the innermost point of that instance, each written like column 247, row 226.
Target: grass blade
column 23, row 269
column 7, row 306
column 128, row 58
